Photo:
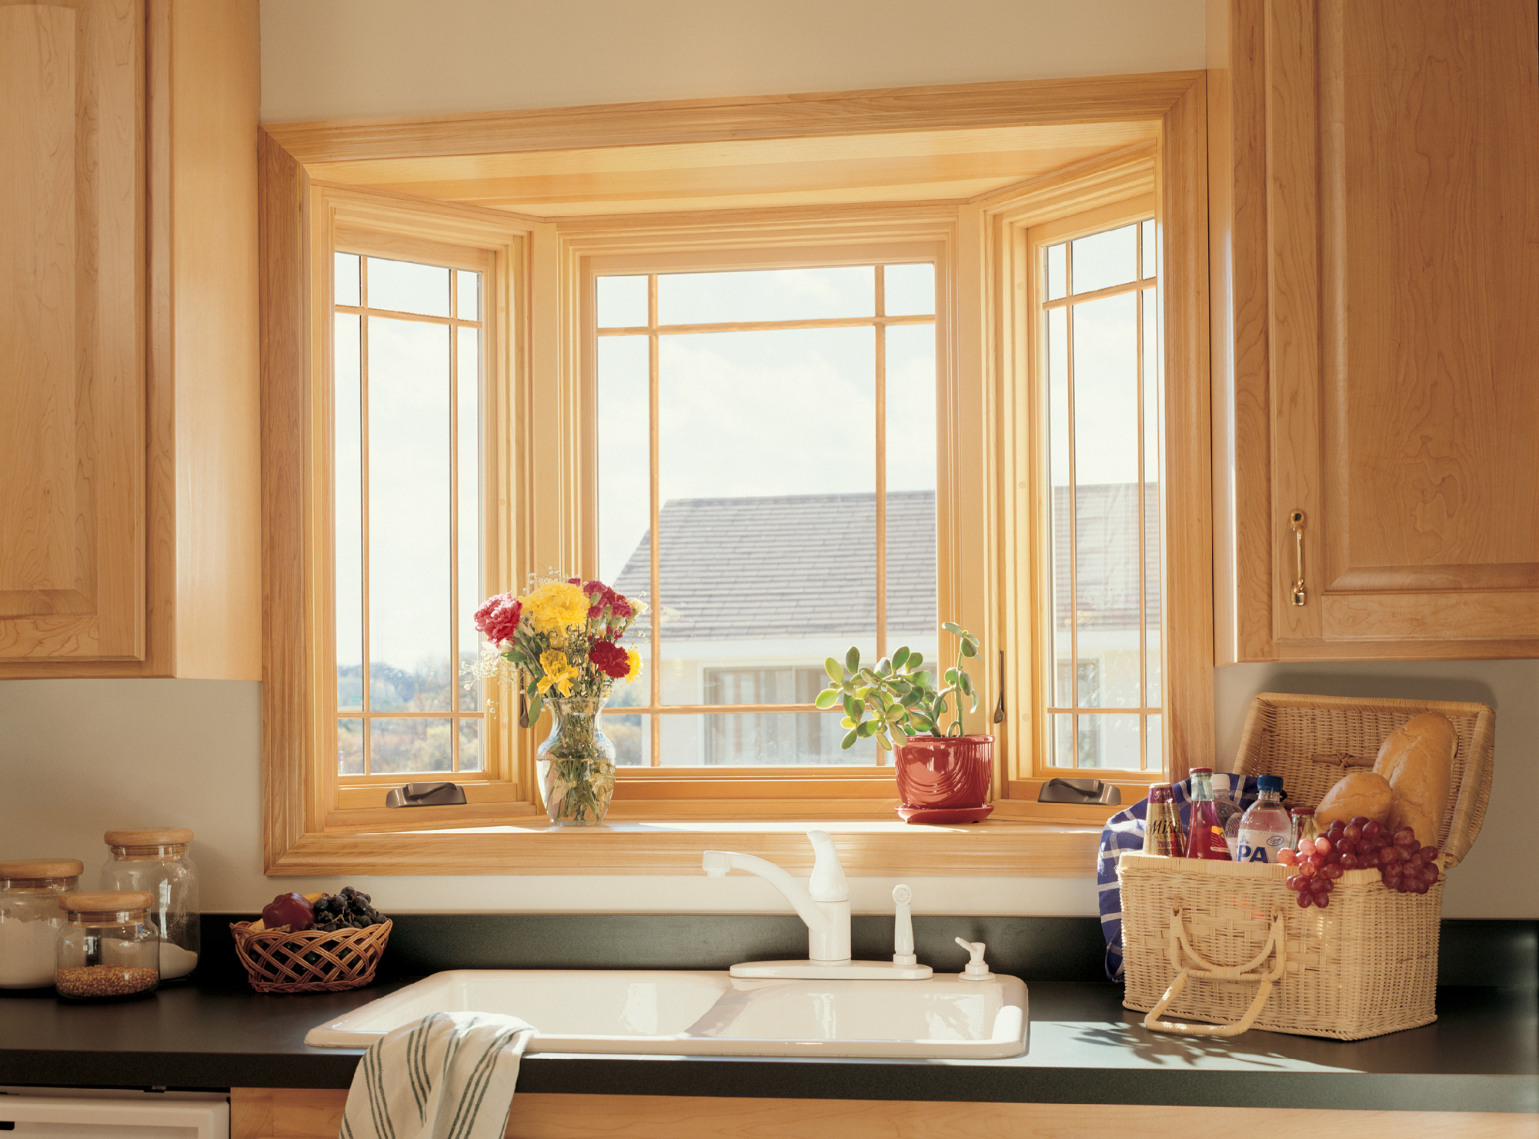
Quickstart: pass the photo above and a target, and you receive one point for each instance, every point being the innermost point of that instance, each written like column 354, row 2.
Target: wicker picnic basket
column 310, row 960
column 1226, row 943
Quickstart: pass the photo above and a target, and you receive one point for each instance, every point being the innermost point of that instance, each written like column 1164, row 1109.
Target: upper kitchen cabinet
column 129, row 478
column 1374, row 170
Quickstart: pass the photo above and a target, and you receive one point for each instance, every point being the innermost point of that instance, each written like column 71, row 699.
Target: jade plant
column 897, row 696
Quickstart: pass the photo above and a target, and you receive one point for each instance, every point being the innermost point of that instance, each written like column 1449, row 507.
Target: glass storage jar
column 108, row 949
column 30, row 918
column 156, row 861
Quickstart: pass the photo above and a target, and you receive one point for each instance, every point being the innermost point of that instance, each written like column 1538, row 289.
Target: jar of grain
column 30, row 918
column 156, row 861
column 108, row 948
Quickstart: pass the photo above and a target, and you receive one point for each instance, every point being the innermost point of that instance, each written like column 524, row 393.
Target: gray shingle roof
column 1106, row 545
column 788, row 566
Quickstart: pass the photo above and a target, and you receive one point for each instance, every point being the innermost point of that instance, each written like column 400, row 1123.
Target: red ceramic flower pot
column 944, row 772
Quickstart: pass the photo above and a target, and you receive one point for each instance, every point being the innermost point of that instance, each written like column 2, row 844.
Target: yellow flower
column 553, row 660
column 635, row 658
column 555, row 606
column 559, row 672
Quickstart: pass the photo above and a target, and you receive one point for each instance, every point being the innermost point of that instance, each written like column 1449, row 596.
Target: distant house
column 757, row 592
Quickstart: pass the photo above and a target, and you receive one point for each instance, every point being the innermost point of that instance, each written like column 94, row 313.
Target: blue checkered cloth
column 1125, row 831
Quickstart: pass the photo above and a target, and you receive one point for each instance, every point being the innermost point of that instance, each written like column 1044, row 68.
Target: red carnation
column 610, row 659
column 621, row 607
column 498, row 617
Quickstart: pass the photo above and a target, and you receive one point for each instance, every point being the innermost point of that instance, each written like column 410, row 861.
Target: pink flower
column 610, row 659
column 621, row 607
column 498, row 617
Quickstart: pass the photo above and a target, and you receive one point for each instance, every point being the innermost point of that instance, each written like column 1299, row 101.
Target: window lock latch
column 425, row 795
column 1079, row 791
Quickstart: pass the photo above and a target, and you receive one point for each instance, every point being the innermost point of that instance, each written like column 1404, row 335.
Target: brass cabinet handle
column 1296, row 520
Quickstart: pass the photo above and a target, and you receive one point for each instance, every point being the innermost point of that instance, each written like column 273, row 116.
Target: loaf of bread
column 1417, row 759
column 1360, row 792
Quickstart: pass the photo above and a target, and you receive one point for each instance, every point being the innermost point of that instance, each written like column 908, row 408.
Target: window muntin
column 766, row 445
column 1098, row 316
column 407, row 471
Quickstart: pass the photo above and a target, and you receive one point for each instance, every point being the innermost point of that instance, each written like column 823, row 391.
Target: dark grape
column 1296, row 882
column 1373, row 829
column 1332, row 872
column 1428, row 853
column 1349, row 861
column 1323, row 900
column 1406, row 837
column 1307, row 868
column 1306, row 899
column 1353, row 831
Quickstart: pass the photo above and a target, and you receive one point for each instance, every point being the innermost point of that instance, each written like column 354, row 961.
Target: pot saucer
column 942, row 815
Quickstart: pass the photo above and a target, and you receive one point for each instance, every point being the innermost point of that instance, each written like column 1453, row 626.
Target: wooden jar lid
column 106, row 902
column 154, row 836
column 42, row 868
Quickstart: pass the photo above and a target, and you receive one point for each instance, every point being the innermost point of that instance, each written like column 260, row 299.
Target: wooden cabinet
column 129, row 508
column 1374, row 177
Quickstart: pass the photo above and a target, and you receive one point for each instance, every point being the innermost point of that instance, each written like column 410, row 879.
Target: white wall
column 358, row 58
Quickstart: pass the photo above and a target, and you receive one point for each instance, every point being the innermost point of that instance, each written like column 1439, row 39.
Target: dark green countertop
column 1482, row 1054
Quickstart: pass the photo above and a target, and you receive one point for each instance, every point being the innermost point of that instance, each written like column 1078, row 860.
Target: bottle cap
column 1161, row 793
column 1202, row 771
column 1303, row 810
column 1270, row 783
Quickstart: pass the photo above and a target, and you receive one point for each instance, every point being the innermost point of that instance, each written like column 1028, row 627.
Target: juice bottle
column 1267, row 827
column 1162, row 828
column 1205, row 834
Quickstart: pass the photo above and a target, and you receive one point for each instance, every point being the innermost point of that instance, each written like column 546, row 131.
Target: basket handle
column 1206, row 970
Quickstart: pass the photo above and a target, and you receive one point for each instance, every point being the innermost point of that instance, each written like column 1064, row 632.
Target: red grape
column 1391, row 855
column 1287, row 857
column 1405, row 837
column 1332, row 858
column 1349, row 861
column 1332, row 872
column 1353, row 831
column 1416, row 887
column 1429, row 874
column 1323, row 845
column 1368, row 860
column 1296, row 882
column 1428, row 853
column 1323, row 900
column 1346, row 846
column 1373, row 829
column 1358, row 821
column 1306, row 899
column 1320, row 886
column 1307, row 869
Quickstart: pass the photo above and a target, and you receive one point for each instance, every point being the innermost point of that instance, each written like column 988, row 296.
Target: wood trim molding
column 950, row 107
column 316, row 1113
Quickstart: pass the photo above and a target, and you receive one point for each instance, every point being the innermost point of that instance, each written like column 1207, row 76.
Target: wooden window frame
column 306, row 834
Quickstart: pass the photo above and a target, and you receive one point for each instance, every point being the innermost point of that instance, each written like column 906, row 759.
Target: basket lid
column 42, row 868
column 152, row 836
column 106, row 902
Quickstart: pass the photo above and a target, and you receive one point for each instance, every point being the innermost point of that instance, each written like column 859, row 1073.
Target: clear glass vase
column 576, row 762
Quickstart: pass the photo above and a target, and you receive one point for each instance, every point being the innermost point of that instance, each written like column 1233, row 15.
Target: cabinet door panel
column 72, row 460
column 1404, row 275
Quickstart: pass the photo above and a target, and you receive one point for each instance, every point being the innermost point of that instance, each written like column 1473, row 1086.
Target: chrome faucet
column 823, row 903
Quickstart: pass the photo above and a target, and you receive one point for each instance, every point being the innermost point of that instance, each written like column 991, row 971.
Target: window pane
column 404, row 286
column 631, row 733
column 767, row 480
column 1057, row 271
column 1155, row 760
column 344, row 288
column 623, row 464
column 1110, row 741
column 1063, row 739
column 911, row 576
column 773, row 294
column 349, row 747
column 1060, row 504
column 908, row 290
column 760, row 739
column 347, row 522
column 470, row 746
column 409, row 500
column 408, row 745
column 469, row 287
column 472, row 590
column 1151, row 250
column 1106, row 518
column 622, row 302
column 1105, row 259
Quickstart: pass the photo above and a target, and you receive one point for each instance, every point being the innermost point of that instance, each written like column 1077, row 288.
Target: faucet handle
column 827, row 883
column 903, row 928
column 977, row 969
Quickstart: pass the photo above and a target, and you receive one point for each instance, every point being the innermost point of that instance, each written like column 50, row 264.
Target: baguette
column 1417, row 759
column 1364, row 793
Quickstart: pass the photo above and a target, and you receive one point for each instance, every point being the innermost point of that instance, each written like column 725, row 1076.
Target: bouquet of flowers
column 562, row 636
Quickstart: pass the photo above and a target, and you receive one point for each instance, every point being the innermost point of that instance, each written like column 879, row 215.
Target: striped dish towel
column 446, row 1076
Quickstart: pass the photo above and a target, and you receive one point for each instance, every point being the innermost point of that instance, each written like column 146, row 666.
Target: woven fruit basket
column 1227, row 944
column 311, row 960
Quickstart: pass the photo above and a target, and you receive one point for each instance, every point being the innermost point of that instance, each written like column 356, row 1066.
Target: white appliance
column 76, row 1113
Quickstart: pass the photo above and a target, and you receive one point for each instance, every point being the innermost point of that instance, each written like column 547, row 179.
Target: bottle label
column 1264, row 851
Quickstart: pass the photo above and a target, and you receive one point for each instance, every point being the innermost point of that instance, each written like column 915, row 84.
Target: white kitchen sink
column 713, row 1014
